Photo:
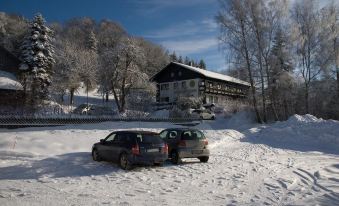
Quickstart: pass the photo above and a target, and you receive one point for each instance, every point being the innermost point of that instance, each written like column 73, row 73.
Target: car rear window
column 192, row 135
column 149, row 139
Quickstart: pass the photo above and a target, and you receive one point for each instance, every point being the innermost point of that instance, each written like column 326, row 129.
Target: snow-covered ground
column 287, row 163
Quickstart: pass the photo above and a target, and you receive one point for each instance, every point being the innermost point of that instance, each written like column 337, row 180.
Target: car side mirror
column 102, row 141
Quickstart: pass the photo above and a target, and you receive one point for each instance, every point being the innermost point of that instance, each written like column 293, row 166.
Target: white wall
column 192, row 89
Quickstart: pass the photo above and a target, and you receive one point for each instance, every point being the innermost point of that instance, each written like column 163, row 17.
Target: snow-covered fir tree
column 92, row 42
column 202, row 64
column 173, row 57
column 37, row 58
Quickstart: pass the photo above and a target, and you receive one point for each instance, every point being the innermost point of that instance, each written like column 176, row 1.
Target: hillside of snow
column 287, row 163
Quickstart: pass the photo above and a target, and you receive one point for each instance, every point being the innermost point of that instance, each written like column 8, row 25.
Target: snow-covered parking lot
column 287, row 163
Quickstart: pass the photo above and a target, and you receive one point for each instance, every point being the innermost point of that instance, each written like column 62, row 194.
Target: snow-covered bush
column 231, row 107
column 140, row 100
column 134, row 114
column 185, row 103
column 176, row 112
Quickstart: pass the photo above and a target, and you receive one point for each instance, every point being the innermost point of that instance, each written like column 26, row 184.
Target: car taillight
column 165, row 149
column 206, row 142
column 182, row 143
column 135, row 150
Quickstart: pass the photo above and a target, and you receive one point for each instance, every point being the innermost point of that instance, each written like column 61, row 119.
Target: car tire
column 213, row 118
column 123, row 162
column 95, row 155
column 203, row 159
column 159, row 164
column 175, row 159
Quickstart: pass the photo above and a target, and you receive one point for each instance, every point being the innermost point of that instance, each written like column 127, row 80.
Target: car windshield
column 192, row 135
column 148, row 139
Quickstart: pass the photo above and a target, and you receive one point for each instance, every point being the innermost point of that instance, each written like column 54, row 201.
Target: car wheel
column 159, row 164
column 123, row 162
column 213, row 118
column 203, row 159
column 175, row 159
column 95, row 155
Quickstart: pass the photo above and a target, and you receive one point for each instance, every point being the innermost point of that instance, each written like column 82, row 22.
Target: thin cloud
column 190, row 46
column 152, row 7
column 187, row 28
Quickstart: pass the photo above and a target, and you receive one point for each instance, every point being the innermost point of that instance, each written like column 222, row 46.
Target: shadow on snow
column 66, row 165
column 76, row 164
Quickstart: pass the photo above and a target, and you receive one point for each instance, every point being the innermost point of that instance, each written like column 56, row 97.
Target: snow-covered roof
column 213, row 75
column 9, row 81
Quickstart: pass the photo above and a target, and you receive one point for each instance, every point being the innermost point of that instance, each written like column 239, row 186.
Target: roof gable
column 214, row 75
column 204, row 73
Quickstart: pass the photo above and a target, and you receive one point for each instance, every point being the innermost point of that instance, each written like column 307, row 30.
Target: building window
column 219, row 86
column 164, row 87
column 175, row 85
column 172, row 74
column 192, row 83
column 210, row 84
column 179, row 73
column 183, row 85
column 164, row 99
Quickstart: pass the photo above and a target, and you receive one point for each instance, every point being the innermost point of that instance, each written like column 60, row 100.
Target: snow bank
column 304, row 132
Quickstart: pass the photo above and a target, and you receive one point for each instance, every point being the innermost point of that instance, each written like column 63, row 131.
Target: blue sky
column 186, row 26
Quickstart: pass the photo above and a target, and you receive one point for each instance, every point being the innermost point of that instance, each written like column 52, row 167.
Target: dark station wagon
column 129, row 148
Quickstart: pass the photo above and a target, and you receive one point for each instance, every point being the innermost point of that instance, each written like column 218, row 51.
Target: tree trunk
column 263, row 93
column 274, row 105
column 123, row 96
column 62, row 98
column 306, row 98
column 71, row 99
column 116, row 98
column 286, row 109
column 107, row 96
column 261, row 73
column 248, row 64
column 87, row 95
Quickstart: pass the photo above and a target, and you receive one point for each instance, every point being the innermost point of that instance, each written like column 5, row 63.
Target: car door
column 172, row 139
column 119, row 145
column 105, row 147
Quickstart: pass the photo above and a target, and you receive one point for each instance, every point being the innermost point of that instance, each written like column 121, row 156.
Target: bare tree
column 305, row 16
column 264, row 20
column 123, row 65
column 330, row 23
column 233, row 21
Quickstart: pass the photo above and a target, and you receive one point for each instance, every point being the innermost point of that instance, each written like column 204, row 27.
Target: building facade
column 178, row 79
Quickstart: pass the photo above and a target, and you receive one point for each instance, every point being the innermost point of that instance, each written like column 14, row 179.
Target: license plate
column 153, row 150
column 196, row 151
